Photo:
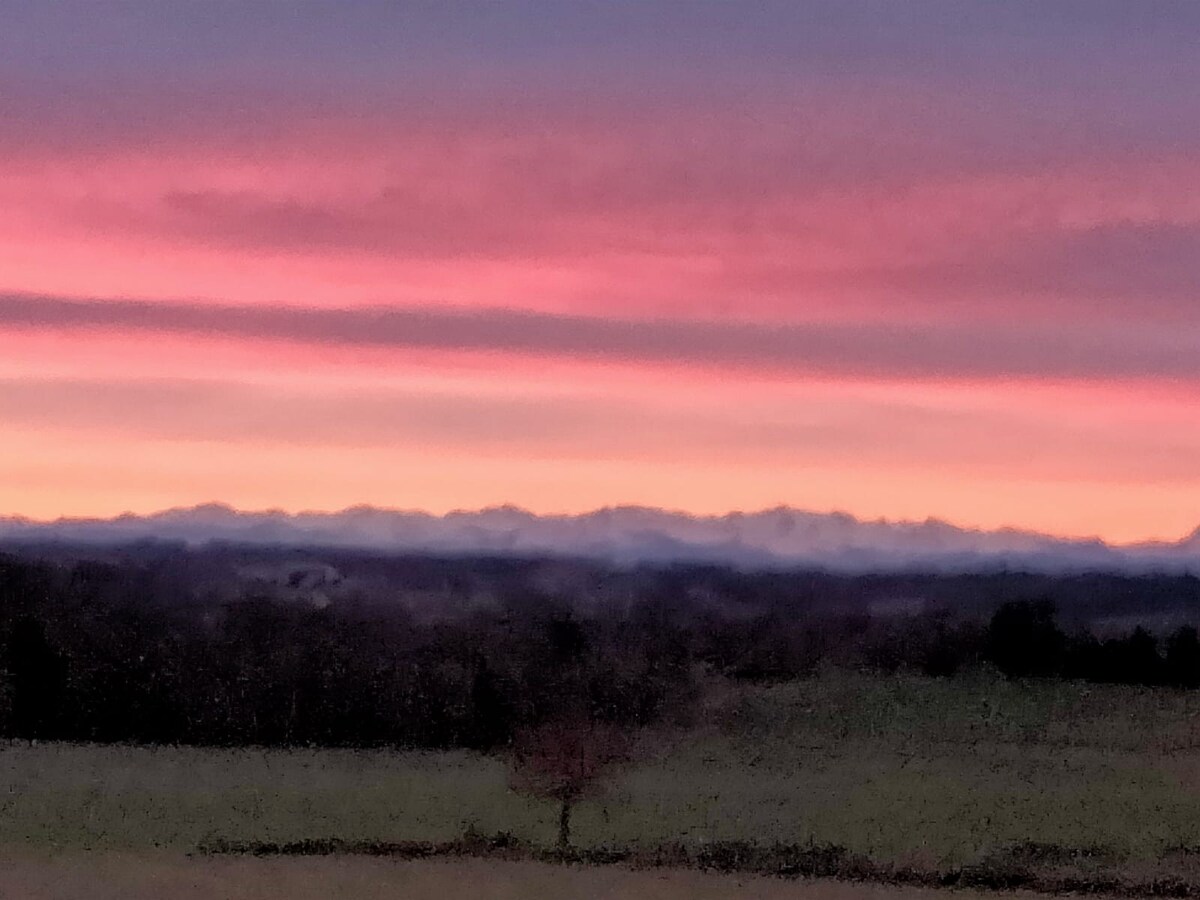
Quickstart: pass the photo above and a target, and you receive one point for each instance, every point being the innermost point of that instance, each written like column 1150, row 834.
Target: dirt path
column 123, row 877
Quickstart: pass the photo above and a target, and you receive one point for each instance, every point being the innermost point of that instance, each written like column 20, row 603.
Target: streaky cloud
column 872, row 349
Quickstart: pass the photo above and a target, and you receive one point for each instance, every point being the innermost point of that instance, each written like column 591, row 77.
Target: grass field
column 905, row 770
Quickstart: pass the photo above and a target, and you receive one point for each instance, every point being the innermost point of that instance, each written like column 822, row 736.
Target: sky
column 903, row 260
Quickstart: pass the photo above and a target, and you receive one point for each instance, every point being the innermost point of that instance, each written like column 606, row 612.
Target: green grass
column 73, row 796
column 904, row 769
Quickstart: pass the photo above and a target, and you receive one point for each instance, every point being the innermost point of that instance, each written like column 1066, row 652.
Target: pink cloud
column 776, row 213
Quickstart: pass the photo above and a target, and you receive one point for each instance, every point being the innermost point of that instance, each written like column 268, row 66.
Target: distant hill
column 774, row 538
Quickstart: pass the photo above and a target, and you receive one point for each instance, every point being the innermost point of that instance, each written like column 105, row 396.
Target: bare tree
column 567, row 761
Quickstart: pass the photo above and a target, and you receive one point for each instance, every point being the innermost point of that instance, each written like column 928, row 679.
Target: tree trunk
column 564, row 826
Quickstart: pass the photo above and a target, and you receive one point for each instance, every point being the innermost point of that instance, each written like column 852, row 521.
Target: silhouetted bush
column 1024, row 640
column 1183, row 658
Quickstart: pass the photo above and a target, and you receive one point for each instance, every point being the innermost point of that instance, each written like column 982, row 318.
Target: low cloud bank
column 775, row 538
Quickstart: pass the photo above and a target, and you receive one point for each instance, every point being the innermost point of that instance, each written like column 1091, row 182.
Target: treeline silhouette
column 1025, row 640
column 85, row 657
column 125, row 651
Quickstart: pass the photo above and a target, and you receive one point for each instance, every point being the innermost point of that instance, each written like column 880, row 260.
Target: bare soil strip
column 1033, row 868
column 137, row 877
